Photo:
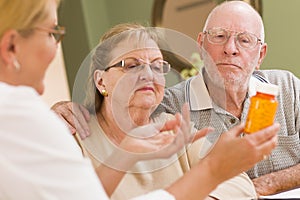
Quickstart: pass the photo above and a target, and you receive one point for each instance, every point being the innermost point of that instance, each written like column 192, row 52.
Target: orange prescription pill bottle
column 262, row 108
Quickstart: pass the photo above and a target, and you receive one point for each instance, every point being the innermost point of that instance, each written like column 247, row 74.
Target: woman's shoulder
column 26, row 107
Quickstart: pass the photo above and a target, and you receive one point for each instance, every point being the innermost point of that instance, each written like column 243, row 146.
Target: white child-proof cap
column 267, row 88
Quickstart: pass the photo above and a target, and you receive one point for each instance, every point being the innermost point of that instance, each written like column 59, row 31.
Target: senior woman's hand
column 74, row 115
column 158, row 140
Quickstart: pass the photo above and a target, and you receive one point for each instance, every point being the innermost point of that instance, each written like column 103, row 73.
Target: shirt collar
column 197, row 94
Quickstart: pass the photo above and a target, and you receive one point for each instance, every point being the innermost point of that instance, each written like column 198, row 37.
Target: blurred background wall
column 282, row 30
column 56, row 82
column 87, row 20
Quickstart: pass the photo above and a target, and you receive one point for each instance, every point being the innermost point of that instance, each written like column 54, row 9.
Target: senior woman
column 126, row 83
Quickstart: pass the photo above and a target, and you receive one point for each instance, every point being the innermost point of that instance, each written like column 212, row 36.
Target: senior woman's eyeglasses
column 58, row 32
column 242, row 39
column 133, row 65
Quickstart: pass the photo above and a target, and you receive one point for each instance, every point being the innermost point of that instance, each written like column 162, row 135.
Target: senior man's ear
column 262, row 55
column 200, row 39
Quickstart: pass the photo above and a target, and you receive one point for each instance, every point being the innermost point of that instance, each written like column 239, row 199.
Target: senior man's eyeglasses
column 242, row 39
column 133, row 65
column 58, row 32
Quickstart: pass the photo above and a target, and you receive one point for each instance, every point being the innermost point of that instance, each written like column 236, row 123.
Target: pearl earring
column 104, row 93
column 17, row 64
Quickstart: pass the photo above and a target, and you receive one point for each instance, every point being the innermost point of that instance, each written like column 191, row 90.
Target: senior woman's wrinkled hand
column 74, row 115
column 157, row 140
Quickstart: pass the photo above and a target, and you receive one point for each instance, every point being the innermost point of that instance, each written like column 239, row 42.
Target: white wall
column 56, row 84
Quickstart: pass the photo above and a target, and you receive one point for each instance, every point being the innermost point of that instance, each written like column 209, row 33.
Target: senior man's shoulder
column 174, row 98
column 177, row 87
column 278, row 76
column 176, row 90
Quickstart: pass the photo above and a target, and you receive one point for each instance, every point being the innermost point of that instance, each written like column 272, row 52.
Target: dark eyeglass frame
column 122, row 65
column 228, row 35
column 58, row 32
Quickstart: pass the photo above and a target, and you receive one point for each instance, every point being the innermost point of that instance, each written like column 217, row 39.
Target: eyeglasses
column 243, row 39
column 134, row 65
column 58, row 32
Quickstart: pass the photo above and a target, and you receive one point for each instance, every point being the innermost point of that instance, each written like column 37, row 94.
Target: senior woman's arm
column 157, row 146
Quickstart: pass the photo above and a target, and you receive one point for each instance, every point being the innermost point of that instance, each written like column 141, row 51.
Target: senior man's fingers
column 85, row 112
column 80, row 118
column 74, row 115
column 64, row 111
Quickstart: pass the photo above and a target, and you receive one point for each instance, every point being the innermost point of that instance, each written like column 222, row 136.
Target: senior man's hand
column 74, row 115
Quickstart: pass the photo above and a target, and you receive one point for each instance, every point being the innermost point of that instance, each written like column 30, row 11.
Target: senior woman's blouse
column 151, row 175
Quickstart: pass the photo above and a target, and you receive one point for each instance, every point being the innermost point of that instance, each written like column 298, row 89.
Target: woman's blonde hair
column 22, row 15
column 133, row 32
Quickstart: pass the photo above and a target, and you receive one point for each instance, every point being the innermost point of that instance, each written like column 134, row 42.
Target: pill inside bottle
column 262, row 108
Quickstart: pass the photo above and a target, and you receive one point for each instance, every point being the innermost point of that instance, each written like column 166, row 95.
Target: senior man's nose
column 230, row 47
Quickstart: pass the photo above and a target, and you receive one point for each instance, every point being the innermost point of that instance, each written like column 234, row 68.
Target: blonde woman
column 39, row 159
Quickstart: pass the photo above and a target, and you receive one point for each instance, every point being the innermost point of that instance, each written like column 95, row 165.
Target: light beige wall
column 56, row 84
column 281, row 18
